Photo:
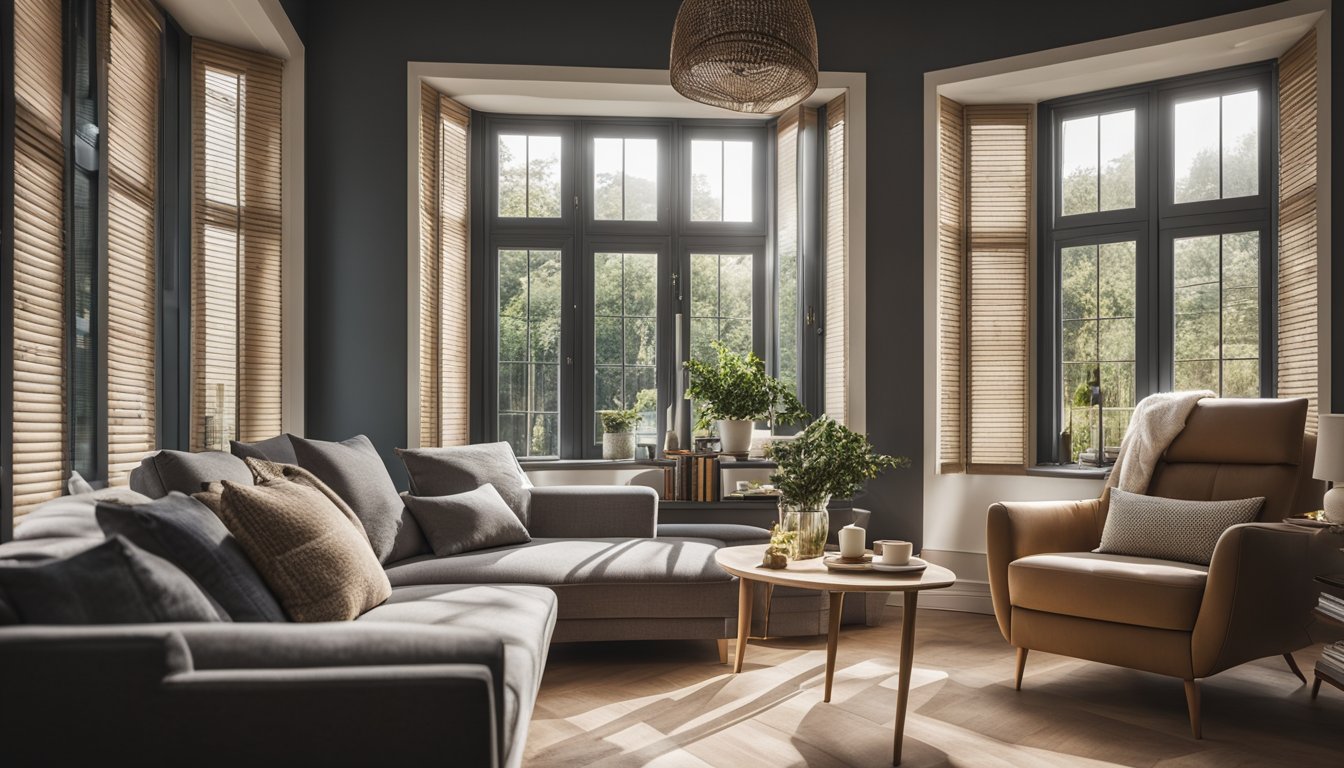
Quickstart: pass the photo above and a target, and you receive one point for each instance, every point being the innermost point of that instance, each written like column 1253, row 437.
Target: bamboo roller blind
column 835, row 381
column 444, row 253
column 1298, row 364
column 41, row 453
column 131, row 32
column 787, row 128
column 951, row 285
column 236, row 246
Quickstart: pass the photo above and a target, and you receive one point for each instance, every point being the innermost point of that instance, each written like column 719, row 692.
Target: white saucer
column 914, row 565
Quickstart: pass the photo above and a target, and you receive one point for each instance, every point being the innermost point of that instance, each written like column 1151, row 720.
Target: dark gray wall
column 356, row 144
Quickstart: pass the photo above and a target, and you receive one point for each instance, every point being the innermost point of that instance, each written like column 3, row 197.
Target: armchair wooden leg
column 1292, row 664
column 1192, row 703
column 1021, row 666
column 723, row 650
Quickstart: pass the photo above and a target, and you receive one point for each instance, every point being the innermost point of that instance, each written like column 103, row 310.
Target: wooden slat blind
column 41, row 452
column 131, row 34
column 787, row 128
column 835, row 355
column 236, row 245
column 998, row 241
column 444, row 253
column 1298, row 355
column 951, row 286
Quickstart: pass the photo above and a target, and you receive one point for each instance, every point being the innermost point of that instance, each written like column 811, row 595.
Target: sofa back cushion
column 72, row 516
column 459, row 469
column 189, row 535
column 465, row 522
column 1171, row 529
column 168, row 471
column 278, row 449
column 314, row 556
column 113, row 582
column 354, row 470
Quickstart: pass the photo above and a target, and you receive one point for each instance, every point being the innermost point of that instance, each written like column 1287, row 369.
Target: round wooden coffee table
column 745, row 563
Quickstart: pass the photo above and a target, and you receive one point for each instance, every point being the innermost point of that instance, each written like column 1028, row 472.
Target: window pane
column 1217, row 304
column 721, row 303
column 608, row 179
column 641, row 179
column 1078, row 166
column 1097, row 334
column 626, row 339
column 1241, row 144
column 543, row 177
column 513, row 175
column 737, row 181
column 1117, row 160
column 1196, row 150
column 706, row 181
column 529, row 350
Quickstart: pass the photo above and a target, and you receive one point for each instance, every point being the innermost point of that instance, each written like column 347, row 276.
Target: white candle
column 851, row 541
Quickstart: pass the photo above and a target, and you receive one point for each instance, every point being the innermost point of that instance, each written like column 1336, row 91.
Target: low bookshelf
column 1326, row 670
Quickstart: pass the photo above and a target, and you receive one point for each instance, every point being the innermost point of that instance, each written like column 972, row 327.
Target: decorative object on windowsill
column 707, row 444
column 618, row 437
column 736, row 392
column 1330, row 464
column 777, row 554
column 670, row 440
column 745, row 55
column 826, row 459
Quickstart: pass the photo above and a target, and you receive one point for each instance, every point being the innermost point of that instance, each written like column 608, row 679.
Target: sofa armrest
column 1259, row 597
column 593, row 511
column 1017, row 529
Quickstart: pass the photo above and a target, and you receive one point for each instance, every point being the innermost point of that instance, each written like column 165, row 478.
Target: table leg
column 745, row 593
column 911, row 600
column 833, row 639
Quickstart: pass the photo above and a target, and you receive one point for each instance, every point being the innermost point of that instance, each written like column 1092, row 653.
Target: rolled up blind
column 951, row 286
column 236, row 245
column 431, row 305
column 835, row 379
column 998, row 242
column 41, row 450
column 1298, row 278
column 131, row 39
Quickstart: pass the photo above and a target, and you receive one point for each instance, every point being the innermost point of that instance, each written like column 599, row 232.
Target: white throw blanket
column 1156, row 421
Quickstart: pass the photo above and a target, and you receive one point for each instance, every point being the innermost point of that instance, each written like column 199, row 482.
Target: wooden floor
column 672, row 704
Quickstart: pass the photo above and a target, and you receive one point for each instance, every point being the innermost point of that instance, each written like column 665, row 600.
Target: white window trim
column 516, row 79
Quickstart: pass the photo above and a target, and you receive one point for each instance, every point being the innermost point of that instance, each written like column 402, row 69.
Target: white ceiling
column 252, row 25
column 1137, row 65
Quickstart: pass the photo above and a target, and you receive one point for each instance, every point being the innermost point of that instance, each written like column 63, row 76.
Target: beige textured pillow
column 313, row 555
column 1171, row 529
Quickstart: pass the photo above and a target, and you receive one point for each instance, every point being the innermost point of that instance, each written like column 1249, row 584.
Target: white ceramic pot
column 618, row 445
column 735, row 435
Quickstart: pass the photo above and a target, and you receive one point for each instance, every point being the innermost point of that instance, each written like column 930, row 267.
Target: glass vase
column 810, row 523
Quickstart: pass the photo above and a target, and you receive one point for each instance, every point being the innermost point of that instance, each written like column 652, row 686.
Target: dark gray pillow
column 7, row 615
column 114, row 582
column 278, row 449
column 190, row 472
column 187, row 534
column 1171, row 529
column 449, row 471
column 354, row 470
column 468, row 521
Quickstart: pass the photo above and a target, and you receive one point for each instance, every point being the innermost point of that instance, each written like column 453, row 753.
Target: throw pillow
column 71, row 516
column 468, row 521
column 188, row 534
column 449, row 471
column 315, row 559
column 190, row 472
column 278, row 449
column 114, row 582
column 1171, row 529
column 354, row 470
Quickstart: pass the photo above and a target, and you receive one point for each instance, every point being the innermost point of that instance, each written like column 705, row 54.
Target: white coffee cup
column 893, row 551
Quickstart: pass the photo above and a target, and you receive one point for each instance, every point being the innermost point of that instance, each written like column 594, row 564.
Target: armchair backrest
column 1236, row 448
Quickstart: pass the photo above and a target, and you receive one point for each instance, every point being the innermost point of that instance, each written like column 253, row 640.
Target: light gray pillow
column 72, row 516
column 355, row 472
column 190, row 472
column 114, row 582
column 1171, row 529
column 465, row 522
column 449, row 471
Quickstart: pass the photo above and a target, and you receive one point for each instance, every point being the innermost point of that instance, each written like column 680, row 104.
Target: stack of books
column 1332, row 658
column 1331, row 606
column 1089, row 456
column 694, row 477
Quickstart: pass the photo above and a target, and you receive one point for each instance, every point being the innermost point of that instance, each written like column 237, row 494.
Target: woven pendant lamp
column 745, row 55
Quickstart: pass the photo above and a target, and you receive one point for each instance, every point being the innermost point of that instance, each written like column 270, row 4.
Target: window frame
column 762, row 172
column 1156, row 222
column 590, row 130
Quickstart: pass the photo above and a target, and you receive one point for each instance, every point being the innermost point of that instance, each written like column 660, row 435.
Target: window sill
column 532, row 465
column 1069, row 471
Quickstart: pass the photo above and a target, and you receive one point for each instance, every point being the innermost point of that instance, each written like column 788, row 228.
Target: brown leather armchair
column 1255, row 599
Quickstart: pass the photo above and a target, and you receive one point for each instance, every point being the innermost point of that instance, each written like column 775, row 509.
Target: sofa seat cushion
column 730, row 534
column 522, row 617
column 1141, row 591
column 596, row 578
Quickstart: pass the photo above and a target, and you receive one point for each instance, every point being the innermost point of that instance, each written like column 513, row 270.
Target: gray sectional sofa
column 446, row 670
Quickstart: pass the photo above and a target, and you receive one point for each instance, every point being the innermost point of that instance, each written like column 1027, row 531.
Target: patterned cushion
column 1171, row 529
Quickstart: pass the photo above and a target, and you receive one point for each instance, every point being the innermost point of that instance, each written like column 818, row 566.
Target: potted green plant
column 618, row 435
column 826, row 459
column 736, row 392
